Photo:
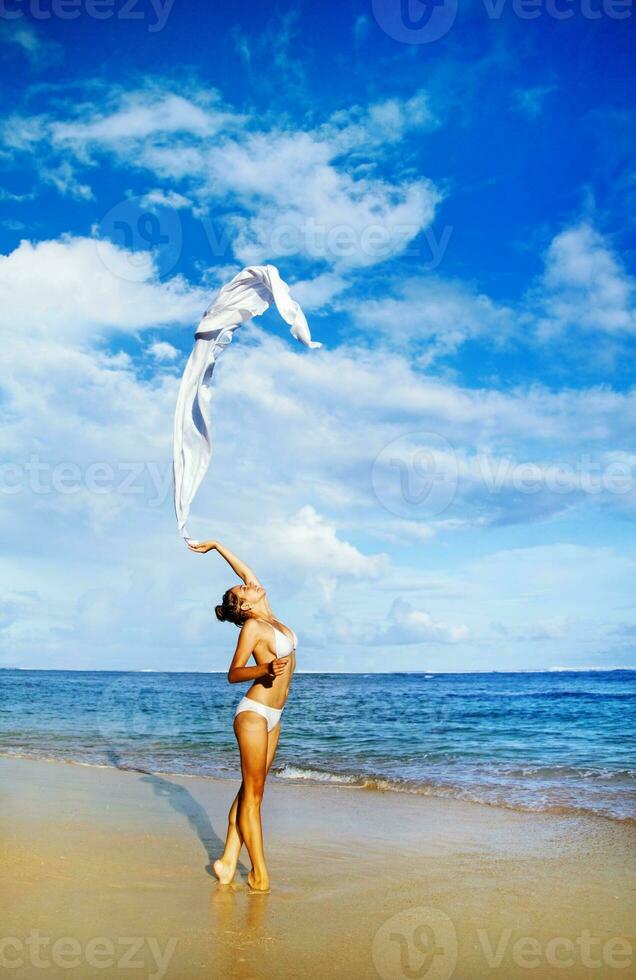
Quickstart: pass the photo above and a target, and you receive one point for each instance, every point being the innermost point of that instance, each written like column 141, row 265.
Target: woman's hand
column 277, row 666
column 202, row 547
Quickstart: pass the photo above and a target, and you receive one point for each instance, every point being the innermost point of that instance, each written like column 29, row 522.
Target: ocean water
column 538, row 741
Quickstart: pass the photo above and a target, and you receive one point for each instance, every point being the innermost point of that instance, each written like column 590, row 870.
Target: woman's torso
column 273, row 691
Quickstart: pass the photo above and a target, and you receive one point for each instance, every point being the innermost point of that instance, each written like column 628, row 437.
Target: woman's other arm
column 238, row 672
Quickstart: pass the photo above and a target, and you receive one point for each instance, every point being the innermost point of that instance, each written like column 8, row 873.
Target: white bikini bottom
column 271, row 715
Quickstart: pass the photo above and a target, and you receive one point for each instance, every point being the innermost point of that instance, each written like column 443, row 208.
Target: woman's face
column 250, row 593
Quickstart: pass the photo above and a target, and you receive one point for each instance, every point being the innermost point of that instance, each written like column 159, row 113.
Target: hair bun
column 219, row 613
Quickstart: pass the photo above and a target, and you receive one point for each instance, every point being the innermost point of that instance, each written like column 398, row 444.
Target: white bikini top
column 286, row 642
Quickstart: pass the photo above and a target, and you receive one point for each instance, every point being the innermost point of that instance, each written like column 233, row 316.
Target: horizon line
column 436, row 673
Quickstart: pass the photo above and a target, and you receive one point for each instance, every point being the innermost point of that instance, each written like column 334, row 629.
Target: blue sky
column 448, row 484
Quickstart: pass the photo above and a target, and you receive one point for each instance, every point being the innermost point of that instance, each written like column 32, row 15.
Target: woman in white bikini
column 257, row 716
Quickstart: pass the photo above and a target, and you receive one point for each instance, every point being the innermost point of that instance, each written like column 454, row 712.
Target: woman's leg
column 225, row 867
column 251, row 734
column 272, row 745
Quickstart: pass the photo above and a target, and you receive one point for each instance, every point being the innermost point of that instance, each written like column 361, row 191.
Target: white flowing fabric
column 249, row 294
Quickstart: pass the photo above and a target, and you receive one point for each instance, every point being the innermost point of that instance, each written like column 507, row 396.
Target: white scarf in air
column 248, row 294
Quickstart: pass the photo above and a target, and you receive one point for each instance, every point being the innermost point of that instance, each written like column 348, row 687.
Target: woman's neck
column 263, row 610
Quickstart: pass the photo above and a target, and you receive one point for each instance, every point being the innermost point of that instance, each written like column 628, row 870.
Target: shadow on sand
column 182, row 801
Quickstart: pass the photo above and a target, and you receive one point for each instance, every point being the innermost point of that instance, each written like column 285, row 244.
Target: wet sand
column 106, row 873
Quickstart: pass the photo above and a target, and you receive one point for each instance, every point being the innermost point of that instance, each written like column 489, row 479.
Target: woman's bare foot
column 224, row 871
column 257, row 884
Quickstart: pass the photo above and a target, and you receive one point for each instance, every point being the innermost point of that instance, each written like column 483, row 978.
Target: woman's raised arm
column 242, row 570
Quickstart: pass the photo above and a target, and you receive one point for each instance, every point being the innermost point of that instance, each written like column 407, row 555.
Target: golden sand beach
column 106, row 873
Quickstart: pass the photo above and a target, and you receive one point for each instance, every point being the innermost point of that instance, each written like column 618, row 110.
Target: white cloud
column 289, row 484
column 408, row 625
column 540, row 630
column 61, row 293
column 379, row 123
column 441, row 313
column 562, row 578
column 64, row 178
column 498, row 459
column 167, row 199
column 317, row 293
column 162, row 351
column 23, row 133
column 136, row 116
column 300, row 202
column 23, row 36
column 308, row 545
column 529, row 101
column 70, row 407
column 361, row 28
column 80, row 288
column 289, row 191
column 585, row 287
column 404, row 626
